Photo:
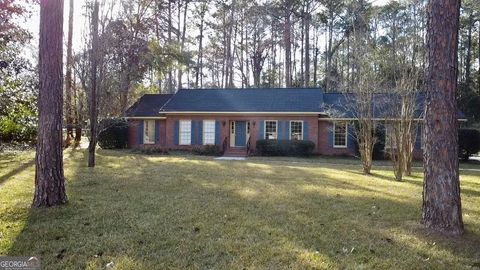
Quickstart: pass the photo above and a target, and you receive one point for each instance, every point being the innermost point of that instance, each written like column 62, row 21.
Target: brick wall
column 319, row 132
column 325, row 148
column 133, row 126
column 167, row 138
column 225, row 126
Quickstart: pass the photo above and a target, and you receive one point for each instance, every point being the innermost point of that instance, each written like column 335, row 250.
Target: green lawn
column 163, row 212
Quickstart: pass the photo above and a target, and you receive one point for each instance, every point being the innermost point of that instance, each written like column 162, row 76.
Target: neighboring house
column 234, row 119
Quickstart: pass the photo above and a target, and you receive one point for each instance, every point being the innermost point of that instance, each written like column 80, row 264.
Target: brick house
column 234, row 119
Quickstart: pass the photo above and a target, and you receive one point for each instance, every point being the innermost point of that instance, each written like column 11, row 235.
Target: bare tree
column 442, row 208
column 401, row 125
column 365, row 127
column 366, row 85
column 93, row 88
column 49, row 177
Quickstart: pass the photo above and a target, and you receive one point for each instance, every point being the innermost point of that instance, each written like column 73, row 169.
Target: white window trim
column 180, row 132
column 388, row 138
column 203, row 131
column 290, row 129
column 152, row 140
column 265, row 128
column 346, row 135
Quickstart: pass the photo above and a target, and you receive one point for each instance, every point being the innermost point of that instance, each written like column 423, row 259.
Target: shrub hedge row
column 285, row 148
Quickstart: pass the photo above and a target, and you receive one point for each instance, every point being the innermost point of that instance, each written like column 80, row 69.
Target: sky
column 32, row 24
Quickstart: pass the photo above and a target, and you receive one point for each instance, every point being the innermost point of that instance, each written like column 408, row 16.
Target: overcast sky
column 32, row 24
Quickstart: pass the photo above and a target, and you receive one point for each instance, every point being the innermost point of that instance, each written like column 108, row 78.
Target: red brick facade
column 319, row 131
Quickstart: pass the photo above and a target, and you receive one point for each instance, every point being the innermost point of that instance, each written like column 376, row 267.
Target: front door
column 240, row 133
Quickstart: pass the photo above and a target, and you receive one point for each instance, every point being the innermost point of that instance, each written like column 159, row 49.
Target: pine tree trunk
column 93, row 95
column 170, row 74
column 77, row 121
column 288, row 44
column 49, row 177
column 468, row 60
column 441, row 190
column 307, row 49
column 68, row 79
column 198, row 74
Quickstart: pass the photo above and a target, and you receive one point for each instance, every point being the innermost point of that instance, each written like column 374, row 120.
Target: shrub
column 208, row 150
column 14, row 130
column 285, row 148
column 152, row 151
column 468, row 143
column 113, row 134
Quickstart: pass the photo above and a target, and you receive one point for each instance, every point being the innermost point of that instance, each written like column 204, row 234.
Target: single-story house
column 234, row 119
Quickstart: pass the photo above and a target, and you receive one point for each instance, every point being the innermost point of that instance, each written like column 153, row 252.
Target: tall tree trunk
column 307, row 49
column 247, row 66
column 302, row 48
column 182, row 41
column 170, row 74
column 468, row 59
column 287, row 36
column 77, row 113
column 315, row 60
column 349, row 85
column 478, row 47
column 329, row 52
column 93, row 90
column 68, row 79
column 442, row 208
column 199, row 72
column 49, row 178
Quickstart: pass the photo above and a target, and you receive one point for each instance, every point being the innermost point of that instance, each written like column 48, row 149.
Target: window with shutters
column 185, row 132
column 208, row 132
column 149, row 131
column 271, row 130
column 340, row 134
column 296, row 130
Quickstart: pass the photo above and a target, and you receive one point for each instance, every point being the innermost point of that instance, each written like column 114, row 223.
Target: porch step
column 236, row 152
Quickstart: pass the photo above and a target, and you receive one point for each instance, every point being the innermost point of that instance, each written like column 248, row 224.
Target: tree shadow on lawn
column 468, row 187
column 155, row 212
column 17, row 170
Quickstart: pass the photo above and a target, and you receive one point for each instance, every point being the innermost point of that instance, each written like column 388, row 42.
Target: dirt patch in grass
column 190, row 212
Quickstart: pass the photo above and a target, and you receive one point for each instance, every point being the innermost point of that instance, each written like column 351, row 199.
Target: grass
column 190, row 212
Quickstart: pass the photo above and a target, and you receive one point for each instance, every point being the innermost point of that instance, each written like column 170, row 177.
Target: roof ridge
column 253, row 88
column 161, row 108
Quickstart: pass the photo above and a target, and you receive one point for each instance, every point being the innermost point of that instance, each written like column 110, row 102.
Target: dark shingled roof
column 148, row 105
column 343, row 105
column 246, row 100
column 286, row 100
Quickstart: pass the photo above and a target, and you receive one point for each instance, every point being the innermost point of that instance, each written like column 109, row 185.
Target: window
column 271, row 130
column 340, row 134
column 390, row 138
column 148, row 131
column 296, row 130
column 208, row 132
column 185, row 132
